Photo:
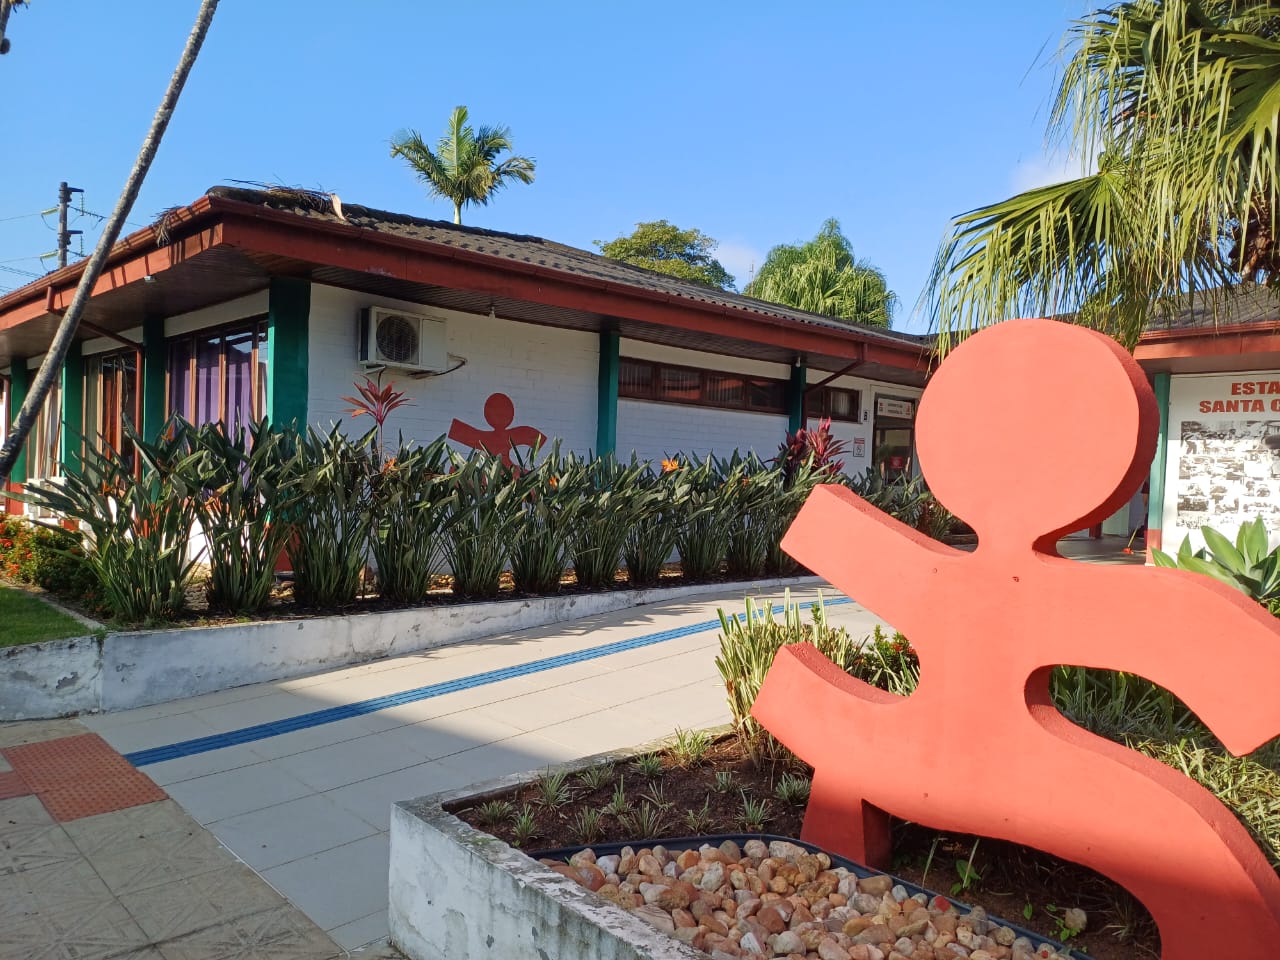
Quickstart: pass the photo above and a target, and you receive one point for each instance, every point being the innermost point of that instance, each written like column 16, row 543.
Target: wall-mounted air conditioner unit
column 402, row 341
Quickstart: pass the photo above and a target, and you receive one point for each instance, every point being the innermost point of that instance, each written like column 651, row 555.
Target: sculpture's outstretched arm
column 836, row 531
column 1127, row 619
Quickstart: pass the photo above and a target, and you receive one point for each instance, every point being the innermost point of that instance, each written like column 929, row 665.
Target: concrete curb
column 122, row 670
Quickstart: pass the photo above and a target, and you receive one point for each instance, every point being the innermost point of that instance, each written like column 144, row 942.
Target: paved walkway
column 295, row 780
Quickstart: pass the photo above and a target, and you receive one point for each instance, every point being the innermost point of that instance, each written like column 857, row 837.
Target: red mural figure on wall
column 979, row 746
column 501, row 438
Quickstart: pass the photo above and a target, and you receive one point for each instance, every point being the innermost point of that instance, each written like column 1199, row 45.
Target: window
column 111, row 400
column 220, row 375
column 45, row 436
column 669, row 383
column 834, row 402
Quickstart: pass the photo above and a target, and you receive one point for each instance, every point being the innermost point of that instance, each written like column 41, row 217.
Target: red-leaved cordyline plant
column 817, row 443
column 377, row 401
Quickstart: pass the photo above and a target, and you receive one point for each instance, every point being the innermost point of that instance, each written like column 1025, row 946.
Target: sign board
column 859, row 447
column 1223, row 462
column 890, row 407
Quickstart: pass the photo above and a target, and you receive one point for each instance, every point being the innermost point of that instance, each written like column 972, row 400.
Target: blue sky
column 752, row 121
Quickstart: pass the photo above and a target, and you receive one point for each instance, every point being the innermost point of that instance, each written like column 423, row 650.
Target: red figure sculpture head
column 1030, row 430
column 1057, row 422
column 499, row 411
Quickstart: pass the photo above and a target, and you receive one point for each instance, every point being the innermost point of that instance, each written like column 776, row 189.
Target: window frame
column 93, row 434
column 257, row 326
column 705, row 391
column 819, row 404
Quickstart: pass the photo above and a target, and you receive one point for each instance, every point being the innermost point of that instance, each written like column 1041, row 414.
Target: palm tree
column 1177, row 100
column 823, row 276
column 464, row 166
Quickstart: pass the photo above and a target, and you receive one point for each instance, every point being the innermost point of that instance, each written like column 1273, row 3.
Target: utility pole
column 65, row 235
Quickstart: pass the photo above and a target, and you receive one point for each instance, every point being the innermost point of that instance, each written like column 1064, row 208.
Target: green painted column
column 19, row 384
column 154, row 356
column 607, row 397
column 71, row 436
column 1155, row 495
column 288, row 317
column 795, row 398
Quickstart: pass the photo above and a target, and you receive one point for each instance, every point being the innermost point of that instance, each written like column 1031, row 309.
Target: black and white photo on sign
column 1228, row 473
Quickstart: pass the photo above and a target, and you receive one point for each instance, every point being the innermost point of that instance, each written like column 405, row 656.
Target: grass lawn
column 27, row 619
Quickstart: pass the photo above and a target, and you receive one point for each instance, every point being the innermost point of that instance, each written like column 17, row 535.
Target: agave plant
column 1249, row 565
column 139, row 523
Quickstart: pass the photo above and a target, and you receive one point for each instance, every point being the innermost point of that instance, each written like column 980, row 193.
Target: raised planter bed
column 125, row 669
column 458, row 891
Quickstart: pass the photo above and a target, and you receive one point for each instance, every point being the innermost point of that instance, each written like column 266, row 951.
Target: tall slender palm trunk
column 51, row 366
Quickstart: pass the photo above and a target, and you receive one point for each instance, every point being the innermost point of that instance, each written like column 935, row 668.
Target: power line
column 24, row 216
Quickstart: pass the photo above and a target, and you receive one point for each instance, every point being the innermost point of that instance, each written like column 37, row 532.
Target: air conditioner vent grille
column 397, row 339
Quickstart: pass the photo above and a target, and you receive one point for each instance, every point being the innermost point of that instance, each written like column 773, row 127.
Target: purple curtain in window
column 180, row 378
column 237, row 411
column 208, row 387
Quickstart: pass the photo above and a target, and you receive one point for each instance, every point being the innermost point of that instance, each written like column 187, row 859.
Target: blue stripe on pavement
column 262, row 731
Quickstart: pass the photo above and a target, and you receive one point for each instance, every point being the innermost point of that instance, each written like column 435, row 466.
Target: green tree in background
column 1179, row 101
column 662, row 246
column 465, row 166
column 823, row 276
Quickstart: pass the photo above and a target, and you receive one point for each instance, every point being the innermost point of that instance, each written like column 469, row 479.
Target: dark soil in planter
column 1020, row 884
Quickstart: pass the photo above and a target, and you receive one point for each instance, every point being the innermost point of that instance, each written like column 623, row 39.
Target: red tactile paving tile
column 12, row 785
column 80, row 776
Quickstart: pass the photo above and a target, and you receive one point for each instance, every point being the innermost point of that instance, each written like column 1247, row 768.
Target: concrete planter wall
column 139, row 668
column 457, row 892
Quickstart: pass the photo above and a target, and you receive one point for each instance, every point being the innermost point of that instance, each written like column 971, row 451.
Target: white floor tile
column 204, row 764
column 341, row 763
column 297, row 828
column 156, row 733
column 337, row 886
column 237, row 791
column 371, row 800
column 358, row 933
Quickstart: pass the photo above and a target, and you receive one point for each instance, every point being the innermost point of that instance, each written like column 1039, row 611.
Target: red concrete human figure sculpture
column 1031, row 430
column 501, row 438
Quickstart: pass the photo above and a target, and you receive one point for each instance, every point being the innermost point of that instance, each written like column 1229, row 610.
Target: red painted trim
column 54, row 296
column 1169, row 345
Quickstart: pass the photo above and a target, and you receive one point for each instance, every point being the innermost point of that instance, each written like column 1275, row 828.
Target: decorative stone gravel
column 764, row 901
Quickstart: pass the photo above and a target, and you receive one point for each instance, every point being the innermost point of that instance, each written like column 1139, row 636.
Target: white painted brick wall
column 549, row 374
column 656, row 430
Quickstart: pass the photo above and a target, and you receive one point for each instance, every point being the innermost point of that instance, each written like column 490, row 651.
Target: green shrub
column 706, row 517
column 747, row 648
column 411, row 503
column 756, row 495
column 1249, row 565
column 484, row 515
column 609, row 496
column 333, row 518
column 139, row 525
column 247, row 493
column 655, row 524
column 51, row 557
column 551, row 512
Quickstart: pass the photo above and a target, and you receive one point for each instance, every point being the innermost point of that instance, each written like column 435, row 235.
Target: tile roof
column 538, row 252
